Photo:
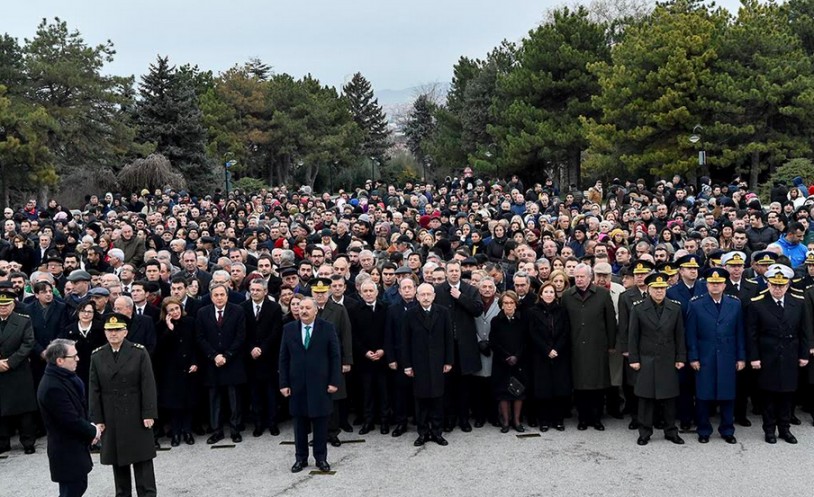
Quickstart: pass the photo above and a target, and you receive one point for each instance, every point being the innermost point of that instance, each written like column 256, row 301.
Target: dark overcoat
column 657, row 344
column 122, row 394
column 66, row 420
column 308, row 372
column 175, row 354
column 17, row 395
column 550, row 329
column 463, row 312
column 508, row 338
column 337, row 315
column 264, row 331
column 593, row 334
column 778, row 338
column 228, row 339
column 427, row 346
column 715, row 339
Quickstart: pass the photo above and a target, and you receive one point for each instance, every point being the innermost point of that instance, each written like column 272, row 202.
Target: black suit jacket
column 191, row 307
column 427, row 346
column 264, row 331
column 46, row 327
column 142, row 331
column 227, row 339
column 463, row 312
column 150, row 311
column 368, row 327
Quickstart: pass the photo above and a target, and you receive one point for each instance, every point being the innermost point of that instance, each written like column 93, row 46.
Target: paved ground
column 482, row 463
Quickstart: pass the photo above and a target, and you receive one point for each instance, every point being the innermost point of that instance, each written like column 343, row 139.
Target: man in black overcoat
column 310, row 370
column 428, row 355
column 401, row 392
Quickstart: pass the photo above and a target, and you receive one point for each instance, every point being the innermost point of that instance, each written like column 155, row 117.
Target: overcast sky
column 395, row 44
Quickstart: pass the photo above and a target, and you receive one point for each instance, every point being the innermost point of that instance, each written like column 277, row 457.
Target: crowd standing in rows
column 457, row 304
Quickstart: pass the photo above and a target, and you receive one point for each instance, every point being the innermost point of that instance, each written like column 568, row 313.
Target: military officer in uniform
column 805, row 281
column 123, row 404
column 760, row 263
column 778, row 345
column 657, row 351
column 716, row 350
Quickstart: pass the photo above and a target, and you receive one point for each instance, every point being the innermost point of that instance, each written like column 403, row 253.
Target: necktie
column 139, row 311
column 780, row 304
column 256, row 310
column 307, row 341
column 220, row 317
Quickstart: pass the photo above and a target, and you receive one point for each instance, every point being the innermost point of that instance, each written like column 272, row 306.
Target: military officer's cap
column 643, row 267
column 809, row 257
column 668, row 268
column 320, row 285
column 657, row 280
column 779, row 274
column 115, row 321
column 7, row 296
column 764, row 258
column 715, row 257
column 734, row 258
column 690, row 261
column 716, row 275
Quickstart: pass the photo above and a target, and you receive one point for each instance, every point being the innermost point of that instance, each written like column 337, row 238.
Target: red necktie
column 220, row 318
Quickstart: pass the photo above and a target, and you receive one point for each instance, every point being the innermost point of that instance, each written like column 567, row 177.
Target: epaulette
column 695, row 298
column 796, row 290
column 97, row 349
column 751, row 280
column 797, row 296
column 759, row 297
column 638, row 302
column 138, row 345
column 674, row 301
column 797, row 280
column 732, row 296
column 23, row 315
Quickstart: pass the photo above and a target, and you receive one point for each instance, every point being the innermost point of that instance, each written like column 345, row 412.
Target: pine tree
column 168, row 115
column 369, row 116
column 420, row 127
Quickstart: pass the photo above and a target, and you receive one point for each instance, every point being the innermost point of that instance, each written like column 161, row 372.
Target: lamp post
column 226, row 175
column 695, row 137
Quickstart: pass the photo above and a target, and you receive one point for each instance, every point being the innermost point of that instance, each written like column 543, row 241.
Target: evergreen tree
column 369, row 117
column 420, row 128
column 168, row 116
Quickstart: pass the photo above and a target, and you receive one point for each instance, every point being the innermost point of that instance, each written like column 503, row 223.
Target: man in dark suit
column 138, row 292
column 309, row 374
column 428, row 353
column 61, row 397
column 401, row 392
column 141, row 328
column 178, row 289
column 48, row 319
column 221, row 334
column 464, row 304
column 778, row 331
column 657, row 350
column 369, row 321
column 189, row 261
column 18, row 401
column 264, row 327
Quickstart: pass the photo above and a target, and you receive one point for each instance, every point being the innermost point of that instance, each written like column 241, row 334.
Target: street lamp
column 695, row 137
column 226, row 175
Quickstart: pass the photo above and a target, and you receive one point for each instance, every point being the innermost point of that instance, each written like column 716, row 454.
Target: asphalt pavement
column 482, row 463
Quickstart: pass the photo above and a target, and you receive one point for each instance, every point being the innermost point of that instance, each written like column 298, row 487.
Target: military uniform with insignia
column 123, row 399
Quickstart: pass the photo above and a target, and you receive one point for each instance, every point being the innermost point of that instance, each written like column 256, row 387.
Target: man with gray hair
column 70, row 433
column 116, row 260
column 593, row 335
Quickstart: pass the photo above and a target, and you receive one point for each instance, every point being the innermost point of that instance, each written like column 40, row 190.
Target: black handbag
column 516, row 387
column 485, row 348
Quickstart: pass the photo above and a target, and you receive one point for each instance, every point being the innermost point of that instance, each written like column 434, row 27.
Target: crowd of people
column 458, row 304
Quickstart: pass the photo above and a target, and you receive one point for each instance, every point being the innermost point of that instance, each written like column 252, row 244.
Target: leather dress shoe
column 675, row 439
column 346, row 427
column 479, row 423
column 175, row 441
column 544, row 428
column 157, row 444
column 789, row 438
column 398, row 431
column 236, row 438
column 448, row 427
column 519, row 428
column 770, row 438
column 559, row 427
column 642, row 441
column 215, row 438
column 504, row 429
column 365, row 429
column 440, row 440
column 32, row 450
column 634, row 425
column 298, row 466
column 685, row 426
column 258, row 431
column 421, row 440
column 323, row 466
column 599, row 427
column 730, row 439
column 189, row 439
column 384, row 429
column 466, row 427
column 702, row 439
column 335, row 442
column 582, row 426
column 743, row 422
column 795, row 420
column 274, row 430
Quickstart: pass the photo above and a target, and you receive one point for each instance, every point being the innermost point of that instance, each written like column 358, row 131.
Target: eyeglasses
column 75, row 357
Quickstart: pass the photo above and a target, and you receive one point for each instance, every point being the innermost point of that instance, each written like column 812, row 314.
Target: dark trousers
column 457, row 391
column 180, row 421
column 589, row 405
column 28, row 429
column 334, row 420
column 647, row 411
column 746, row 387
column 144, row 476
column 264, row 405
column 484, row 406
column 73, row 488
column 319, row 427
column 777, row 411
column 686, row 404
column 374, row 394
column 401, row 397
column 215, row 402
column 429, row 414
column 727, row 410
column 613, row 401
column 552, row 411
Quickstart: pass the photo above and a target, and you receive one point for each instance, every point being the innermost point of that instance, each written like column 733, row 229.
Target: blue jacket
column 716, row 340
column 680, row 293
column 795, row 252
